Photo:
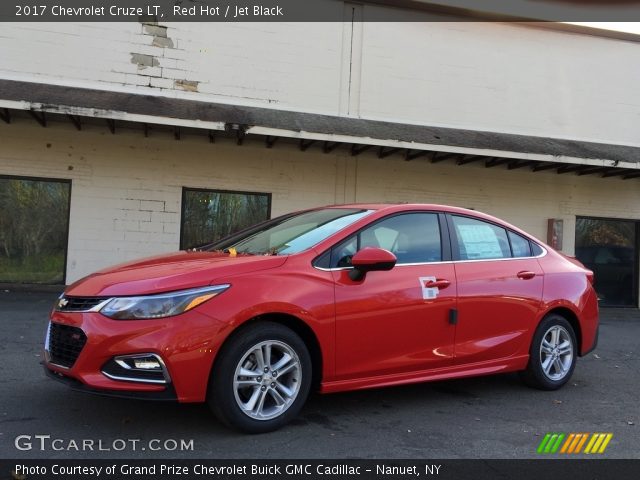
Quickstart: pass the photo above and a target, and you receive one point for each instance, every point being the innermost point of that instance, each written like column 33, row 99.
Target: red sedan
column 335, row 299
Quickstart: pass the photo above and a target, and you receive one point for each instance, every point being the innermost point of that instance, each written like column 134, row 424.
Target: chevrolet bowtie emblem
column 63, row 302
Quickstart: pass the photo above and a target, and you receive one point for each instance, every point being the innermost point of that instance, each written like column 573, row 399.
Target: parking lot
column 492, row 417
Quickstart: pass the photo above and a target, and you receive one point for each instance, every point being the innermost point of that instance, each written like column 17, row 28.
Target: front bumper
column 186, row 343
column 167, row 394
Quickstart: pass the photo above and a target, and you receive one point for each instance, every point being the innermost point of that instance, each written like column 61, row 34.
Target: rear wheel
column 552, row 357
column 261, row 379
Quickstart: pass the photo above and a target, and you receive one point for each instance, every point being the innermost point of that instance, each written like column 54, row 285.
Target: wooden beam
column 329, row 147
column 240, row 129
column 438, row 157
column 305, row 144
column 413, row 154
column 240, row 134
column 357, row 149
column 590, row 171
column 519, row 164
column 385, row 152
column 5, row 115
column 494, row 162
column 76, row 121
column 469, row 159
column 615, row 173
column 40, row 117
column 570, row 168
column 544, row 166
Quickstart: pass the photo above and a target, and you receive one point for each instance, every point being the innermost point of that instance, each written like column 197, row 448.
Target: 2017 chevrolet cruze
column 336, row 298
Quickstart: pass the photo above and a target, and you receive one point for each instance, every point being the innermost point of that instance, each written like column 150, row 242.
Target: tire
column 553, row 353
column 254, row 394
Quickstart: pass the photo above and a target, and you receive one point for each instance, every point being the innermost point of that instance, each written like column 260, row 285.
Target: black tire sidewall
column 534, row 373
column 221, row 396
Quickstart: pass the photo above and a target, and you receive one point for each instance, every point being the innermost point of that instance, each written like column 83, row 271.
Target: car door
column 499, row 290
column 395, row 321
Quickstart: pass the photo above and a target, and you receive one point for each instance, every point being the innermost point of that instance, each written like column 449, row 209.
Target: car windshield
column 291, row 233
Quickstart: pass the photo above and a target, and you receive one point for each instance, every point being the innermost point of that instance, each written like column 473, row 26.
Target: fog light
column 141, row 367
column 139, row 362
column 145, row 364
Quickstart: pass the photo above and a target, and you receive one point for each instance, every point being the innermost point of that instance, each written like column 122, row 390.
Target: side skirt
column 504, row 365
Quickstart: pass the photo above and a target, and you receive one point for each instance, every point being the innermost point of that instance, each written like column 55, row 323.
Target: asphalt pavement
column 490, row 417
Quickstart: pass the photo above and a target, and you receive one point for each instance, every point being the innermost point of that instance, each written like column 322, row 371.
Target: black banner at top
column 317, row 10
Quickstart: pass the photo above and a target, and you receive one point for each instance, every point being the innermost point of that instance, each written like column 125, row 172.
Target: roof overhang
column 465, row 146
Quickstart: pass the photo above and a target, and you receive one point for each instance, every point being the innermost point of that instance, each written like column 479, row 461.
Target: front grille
column 65, row 344
column 78, row 304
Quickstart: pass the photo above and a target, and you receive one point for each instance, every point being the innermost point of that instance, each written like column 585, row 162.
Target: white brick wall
column 126, row 189
column 485, row 76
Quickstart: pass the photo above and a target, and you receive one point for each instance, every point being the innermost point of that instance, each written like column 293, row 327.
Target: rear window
column 519, row 245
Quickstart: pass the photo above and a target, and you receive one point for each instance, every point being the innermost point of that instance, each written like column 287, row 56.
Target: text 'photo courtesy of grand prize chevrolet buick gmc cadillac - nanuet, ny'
column 330, row 299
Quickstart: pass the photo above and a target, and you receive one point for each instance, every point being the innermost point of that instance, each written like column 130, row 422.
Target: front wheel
column 552, row 357
column 261, row 379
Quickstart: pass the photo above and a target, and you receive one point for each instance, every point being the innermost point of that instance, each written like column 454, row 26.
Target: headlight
column 160, row 306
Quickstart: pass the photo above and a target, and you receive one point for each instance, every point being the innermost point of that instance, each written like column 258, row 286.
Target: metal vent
column 64, row 344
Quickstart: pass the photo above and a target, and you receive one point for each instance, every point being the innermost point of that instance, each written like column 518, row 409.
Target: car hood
column 164, row 273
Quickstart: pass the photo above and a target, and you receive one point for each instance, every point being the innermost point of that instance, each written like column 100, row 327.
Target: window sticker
column 480, row 241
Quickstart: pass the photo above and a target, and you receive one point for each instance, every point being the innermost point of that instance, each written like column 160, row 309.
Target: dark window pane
column 341, row 254
column 209, row 215
column 323, row 261
column 480, row 240
column 412, row 238
column 608, row 247
column 536, row 249
column 519, row 245
column 34, row 224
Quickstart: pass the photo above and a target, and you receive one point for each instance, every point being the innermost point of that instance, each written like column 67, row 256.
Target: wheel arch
column 301, row 328
column 572, row 318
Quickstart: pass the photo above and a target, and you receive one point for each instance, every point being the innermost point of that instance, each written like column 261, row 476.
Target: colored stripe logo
column 574, row 443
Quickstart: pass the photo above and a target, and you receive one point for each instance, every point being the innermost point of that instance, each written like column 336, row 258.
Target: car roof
column 398, row 207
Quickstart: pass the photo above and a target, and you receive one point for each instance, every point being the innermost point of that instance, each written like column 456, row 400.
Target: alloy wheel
column 556, row 353
column 267, row 380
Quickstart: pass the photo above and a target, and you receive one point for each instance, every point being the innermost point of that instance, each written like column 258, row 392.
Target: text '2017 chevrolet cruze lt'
column 334, row 299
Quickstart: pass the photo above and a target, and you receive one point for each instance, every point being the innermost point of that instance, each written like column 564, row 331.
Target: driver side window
column 411, row 237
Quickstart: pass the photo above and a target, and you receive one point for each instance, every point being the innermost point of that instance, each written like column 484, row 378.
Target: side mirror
column 371, row 259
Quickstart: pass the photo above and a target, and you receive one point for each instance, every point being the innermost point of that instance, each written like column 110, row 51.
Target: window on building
column 610, row 248
column 209, row 215
column 478, row 240
column 34, row 228
column 412, row 238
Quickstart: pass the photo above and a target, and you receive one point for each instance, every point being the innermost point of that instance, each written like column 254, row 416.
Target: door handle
column 439, row 283
column 526, row 275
